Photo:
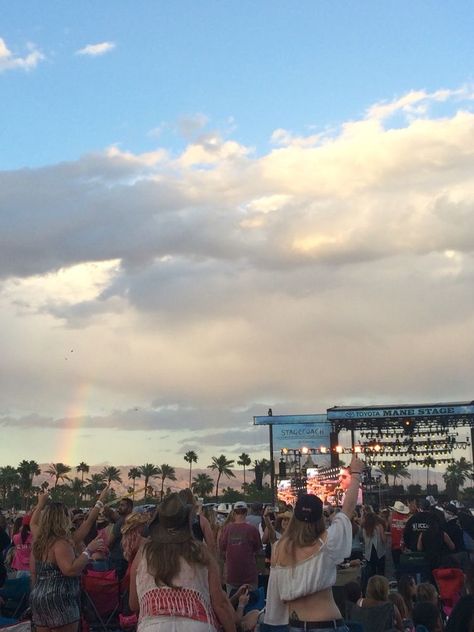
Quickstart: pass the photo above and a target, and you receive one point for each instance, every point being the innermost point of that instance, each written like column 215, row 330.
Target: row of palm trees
column 456, row 475
column 21, row 477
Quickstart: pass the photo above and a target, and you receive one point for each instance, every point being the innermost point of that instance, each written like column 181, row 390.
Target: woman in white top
column 175, row 581
column 304, row 563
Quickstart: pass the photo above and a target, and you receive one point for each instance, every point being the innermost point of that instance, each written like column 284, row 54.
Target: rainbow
column 72, row 424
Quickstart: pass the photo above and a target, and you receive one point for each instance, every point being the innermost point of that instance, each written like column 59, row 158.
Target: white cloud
column 319, row 273
column 10, row 61
column 94, row 50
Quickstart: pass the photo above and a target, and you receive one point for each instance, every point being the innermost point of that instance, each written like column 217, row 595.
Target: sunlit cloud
column 217, row 278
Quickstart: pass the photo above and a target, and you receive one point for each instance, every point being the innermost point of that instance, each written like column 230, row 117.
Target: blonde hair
column 377, row 588
column 54, row 525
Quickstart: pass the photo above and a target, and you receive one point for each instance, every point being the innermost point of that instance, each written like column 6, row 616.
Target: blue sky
column 212, row 208
column 249, row 67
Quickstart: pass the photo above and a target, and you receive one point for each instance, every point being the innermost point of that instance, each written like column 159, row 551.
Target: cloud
column 335, row 268
column 188, row 126
column 173, row 417
column 10, row 61
column 94, row 50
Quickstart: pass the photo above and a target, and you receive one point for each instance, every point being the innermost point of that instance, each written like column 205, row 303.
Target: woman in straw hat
column 175, row 582
column 304, row 563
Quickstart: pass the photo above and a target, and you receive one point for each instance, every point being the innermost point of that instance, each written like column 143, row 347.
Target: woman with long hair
column 407, row 589
column 175, row 582
column 55, row 595
column 373, row 534
column 377, row 595
column 304, row 563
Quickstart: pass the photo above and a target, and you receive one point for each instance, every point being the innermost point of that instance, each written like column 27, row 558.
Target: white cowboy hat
column 399, row 507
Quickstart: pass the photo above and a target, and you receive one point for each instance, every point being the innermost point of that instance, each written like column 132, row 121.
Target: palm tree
column 190, row 457
column 94, row 485
column 266, row 467
column 27, row 471
column 386, row 468
column 111, row 473
column 222, row 464
column 261, row 468
column 245, row 461
column 58, row 471
column 133, row 474
column 165, row 471
column 77, row 487
column 202, row 485
column 456, row 475
column 399, row 471
column 9, row 477
column 83, row 468
column 428, row 462
column 148, row 471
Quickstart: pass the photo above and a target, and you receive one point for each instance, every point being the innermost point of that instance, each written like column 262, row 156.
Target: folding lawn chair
column 100, row 599
column 15, row 594
column 450, row 582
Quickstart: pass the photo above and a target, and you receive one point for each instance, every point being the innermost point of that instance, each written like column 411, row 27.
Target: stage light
column 339, row 449
column 358, row 449
column 304, row 450
column 377, row 447
column 323, row 449
column 285, row 451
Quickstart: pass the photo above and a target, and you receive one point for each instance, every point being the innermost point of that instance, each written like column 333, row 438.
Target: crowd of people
column 187, row 567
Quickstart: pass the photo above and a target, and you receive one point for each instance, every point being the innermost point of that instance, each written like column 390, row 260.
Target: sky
column 212, row 208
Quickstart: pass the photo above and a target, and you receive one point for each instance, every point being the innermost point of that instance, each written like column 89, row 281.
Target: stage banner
column 295, row 436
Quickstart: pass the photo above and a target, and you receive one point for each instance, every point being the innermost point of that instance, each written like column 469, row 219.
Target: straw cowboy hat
column 399, row 507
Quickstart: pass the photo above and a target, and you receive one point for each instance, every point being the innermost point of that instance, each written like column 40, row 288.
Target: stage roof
column 451, row 413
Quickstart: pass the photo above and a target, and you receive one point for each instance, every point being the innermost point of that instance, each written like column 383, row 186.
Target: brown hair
column 299, row 534
column 377, row 588
column 399, row 602
column 164, row 558
column 54, row 525
column 187, row 497
column 369, row 523
column 426, row 592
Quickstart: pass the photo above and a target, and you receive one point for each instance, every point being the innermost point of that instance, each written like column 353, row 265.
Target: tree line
column 17, row 489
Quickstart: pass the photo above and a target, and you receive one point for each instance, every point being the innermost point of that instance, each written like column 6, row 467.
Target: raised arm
column 208, row 535
column 350, row 500
column 269, row 535
column 36, row 515
column 81, row 532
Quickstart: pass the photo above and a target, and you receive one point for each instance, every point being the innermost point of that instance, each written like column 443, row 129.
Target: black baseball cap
column 309, row 508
